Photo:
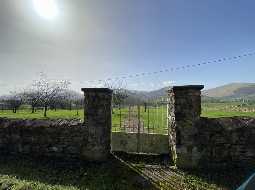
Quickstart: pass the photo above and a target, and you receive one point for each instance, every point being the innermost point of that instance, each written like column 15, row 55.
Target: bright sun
column 47, row 9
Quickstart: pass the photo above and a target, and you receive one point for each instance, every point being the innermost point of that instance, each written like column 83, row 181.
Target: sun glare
column 47, row 9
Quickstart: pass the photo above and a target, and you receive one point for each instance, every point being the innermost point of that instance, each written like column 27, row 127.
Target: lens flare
column 46, row 9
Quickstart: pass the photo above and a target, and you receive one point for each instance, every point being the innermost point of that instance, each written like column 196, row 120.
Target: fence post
column 98, row 120
column 154, row 120
column 148, row 119
column 120, row 118
column 129, row 119
column 138, row 129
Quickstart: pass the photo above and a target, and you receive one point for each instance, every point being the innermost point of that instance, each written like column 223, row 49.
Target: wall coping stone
column 187, row 87
column 105, row 90
column 41, row 122
column 230, row 123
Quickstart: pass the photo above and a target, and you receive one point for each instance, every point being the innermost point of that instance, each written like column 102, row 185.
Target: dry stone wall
column 54, row 138
column 193, row 141
column 63, row 138
column 207, row 142
column 224, row 142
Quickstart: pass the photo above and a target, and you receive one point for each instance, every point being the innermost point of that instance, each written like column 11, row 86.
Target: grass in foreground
column 24, row 173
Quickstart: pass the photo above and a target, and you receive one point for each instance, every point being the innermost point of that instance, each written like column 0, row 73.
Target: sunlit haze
column 46, row 8
column 88, row 40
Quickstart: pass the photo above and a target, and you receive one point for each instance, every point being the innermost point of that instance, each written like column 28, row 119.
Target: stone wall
column 54, row 138
column 61, row 138
column 224, row 142
column 192, row 141
column 206, row 142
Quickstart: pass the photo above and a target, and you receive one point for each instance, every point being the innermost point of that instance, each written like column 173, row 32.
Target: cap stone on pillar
column 187, row 101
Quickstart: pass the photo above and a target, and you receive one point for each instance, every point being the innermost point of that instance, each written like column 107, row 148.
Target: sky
column 86, row 40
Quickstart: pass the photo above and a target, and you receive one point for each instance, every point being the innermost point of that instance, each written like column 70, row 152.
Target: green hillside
column 232, row 91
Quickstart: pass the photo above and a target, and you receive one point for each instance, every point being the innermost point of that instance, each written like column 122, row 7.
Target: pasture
column 152, row 119
column 51, row 114
column 227, row 109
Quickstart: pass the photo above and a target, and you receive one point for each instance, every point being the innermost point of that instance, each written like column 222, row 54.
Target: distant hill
column 232, row 91
column 225, row 92
column 135, row 96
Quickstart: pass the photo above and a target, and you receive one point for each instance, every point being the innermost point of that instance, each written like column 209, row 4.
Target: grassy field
column 228, row 109
column 153, row 120
column 51, row 114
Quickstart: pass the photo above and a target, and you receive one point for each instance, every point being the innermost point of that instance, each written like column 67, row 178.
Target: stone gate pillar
column 98, row 120
column 184, row 109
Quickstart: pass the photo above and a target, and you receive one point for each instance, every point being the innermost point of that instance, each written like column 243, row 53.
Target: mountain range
column 230, row 91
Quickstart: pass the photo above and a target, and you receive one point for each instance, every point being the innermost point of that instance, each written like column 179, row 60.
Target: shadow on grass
column 151, row 159
column 159, row 171
column 59, row 174
column 123, row 171
column 229, row 178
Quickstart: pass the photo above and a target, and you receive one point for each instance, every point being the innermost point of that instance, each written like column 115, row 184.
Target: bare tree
column 32, row 97
column 50, row 90
column 14, row 100
column 58, row 100
column 78, row 102
column 119, row 92
column 119, row 96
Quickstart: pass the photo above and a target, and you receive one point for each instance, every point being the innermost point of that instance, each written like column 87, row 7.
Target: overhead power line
column 173, row 69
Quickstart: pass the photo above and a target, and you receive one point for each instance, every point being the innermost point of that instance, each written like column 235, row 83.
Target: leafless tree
column 78, row 102
column 14, row 100
column 119, row 96
column 32, row 97
column 119, row 92
column 50, row 90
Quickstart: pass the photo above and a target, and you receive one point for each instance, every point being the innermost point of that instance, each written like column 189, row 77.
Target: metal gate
column 140, row 128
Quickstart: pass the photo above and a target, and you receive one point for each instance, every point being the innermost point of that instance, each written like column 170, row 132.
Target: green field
column 154, row 119
column 227, row 109
column 51, row 114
